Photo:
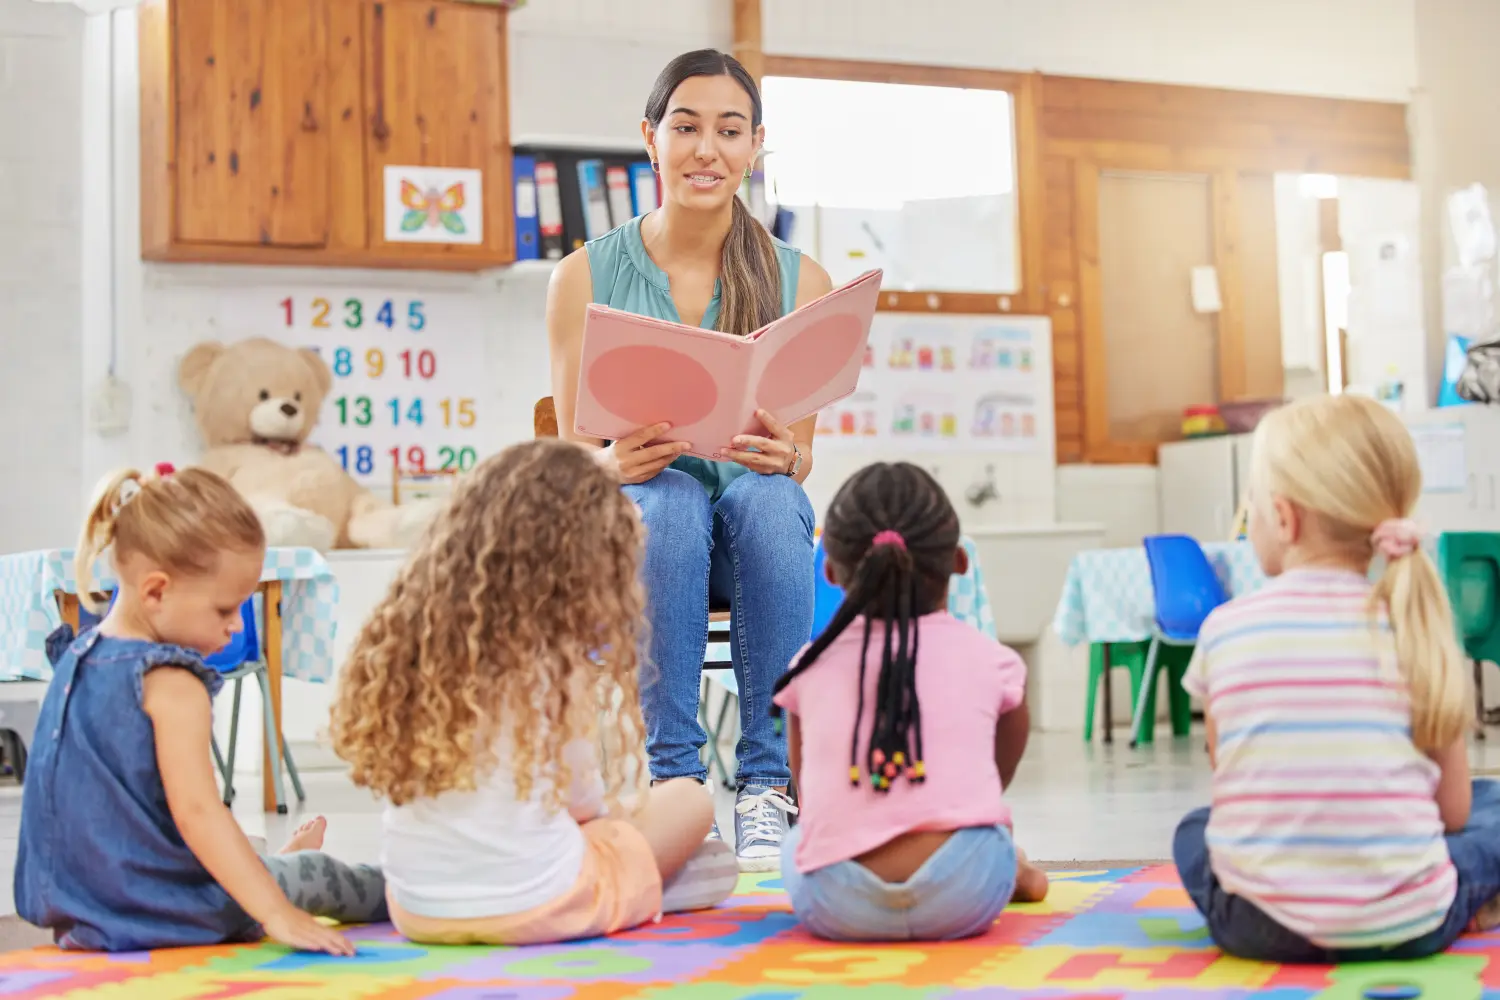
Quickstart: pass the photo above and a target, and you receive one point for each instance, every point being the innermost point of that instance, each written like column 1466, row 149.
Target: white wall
column 585, row 67
column 1332, row 48
column 41, row 132
column 1280, row 45
column 1455, row 126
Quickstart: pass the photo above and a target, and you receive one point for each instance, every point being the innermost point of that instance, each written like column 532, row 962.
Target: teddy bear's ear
column 193, row 368
column 319, row 369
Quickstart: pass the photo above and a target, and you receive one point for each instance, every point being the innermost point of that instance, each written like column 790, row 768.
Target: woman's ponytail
column 749, row 276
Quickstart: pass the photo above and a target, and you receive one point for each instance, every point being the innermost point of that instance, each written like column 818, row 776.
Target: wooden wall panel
column 1071, row 128
column 1239, row 139
column 1060, row 280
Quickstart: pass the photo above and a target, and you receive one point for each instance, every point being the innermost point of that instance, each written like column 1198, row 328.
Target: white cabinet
column 1202, row 482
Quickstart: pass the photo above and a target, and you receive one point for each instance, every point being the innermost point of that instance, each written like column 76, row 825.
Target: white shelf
column 527, row 268
column 583, row 143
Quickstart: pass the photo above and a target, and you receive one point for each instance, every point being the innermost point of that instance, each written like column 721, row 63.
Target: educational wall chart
column 942, row 382
column 408, row 373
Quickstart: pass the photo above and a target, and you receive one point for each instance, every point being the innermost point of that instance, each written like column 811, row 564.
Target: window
column 917, row 180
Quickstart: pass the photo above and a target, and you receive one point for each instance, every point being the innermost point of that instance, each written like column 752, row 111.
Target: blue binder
column 643, row 188
column 528, row 231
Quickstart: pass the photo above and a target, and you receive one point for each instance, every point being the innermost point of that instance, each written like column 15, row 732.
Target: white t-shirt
column 461, row 855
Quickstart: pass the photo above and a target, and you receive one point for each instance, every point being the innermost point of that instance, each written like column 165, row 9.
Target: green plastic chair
column 1172, row 662
column 1470, row 564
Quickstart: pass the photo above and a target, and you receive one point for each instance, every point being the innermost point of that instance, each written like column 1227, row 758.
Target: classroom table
column 1107, row 598
column 1107, row 601
column 299, row 600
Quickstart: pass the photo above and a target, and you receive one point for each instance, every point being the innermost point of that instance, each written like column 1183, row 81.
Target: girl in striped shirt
column 1344, row 825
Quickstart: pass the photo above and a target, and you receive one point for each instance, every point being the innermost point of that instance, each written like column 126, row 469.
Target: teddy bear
column 255, row 402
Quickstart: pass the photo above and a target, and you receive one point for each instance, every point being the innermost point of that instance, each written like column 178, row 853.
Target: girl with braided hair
column 911, row 723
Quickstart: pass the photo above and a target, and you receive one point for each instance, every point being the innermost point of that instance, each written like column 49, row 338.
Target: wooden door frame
column 1025, row 93
column 1098, row 444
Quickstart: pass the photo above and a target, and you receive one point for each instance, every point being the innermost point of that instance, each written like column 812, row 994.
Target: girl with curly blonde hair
column 493, row 700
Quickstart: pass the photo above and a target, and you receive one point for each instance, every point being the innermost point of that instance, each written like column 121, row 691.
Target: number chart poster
column 949, row 383
column 408, row 373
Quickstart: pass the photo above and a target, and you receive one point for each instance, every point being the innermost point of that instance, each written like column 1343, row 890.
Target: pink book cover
column 636, row 370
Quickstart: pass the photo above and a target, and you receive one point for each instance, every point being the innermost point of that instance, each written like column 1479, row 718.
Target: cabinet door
column 435, row 74
column 255, row 85
column 1197, row 488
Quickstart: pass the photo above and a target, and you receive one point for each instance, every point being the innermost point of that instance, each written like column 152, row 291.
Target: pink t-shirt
column 965, row 682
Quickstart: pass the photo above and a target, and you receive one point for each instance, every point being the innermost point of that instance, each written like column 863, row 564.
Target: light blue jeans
column 957, row 893
column 751, row 550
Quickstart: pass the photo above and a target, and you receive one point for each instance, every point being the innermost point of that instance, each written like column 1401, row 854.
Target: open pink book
column 636, row 370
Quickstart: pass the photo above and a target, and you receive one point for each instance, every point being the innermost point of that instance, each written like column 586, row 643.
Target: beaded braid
column 894, row 526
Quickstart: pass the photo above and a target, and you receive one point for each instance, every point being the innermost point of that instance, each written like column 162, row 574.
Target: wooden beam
column 747, row 38
column 893, row 72
column 1231, row 318
column 953, row 302
column 1091, row 308
column 1118, row 154
column 1031, row 184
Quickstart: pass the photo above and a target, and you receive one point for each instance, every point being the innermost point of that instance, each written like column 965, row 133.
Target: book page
column 812, row 357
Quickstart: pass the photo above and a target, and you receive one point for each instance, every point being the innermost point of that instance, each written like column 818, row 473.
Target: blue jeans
column 1242, row 929
column 958, row 892
column 751, row 550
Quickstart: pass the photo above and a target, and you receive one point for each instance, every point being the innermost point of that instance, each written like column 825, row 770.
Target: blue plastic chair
column 826, row 596
column 1186, row 589
column 236, row 661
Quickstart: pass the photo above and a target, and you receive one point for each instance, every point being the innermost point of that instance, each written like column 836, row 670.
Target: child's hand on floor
column 296, row 929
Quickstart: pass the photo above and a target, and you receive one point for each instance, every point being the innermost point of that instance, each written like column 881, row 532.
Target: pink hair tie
column 165, row 468
column 1397, row 538
column 889, row 537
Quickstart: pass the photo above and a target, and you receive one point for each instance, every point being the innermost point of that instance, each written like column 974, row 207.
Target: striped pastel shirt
column 1324, row 812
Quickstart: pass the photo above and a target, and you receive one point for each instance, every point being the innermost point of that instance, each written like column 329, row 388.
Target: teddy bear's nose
column 289, row 409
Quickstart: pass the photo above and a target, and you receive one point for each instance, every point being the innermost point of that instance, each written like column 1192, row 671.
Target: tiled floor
column 1071, row 801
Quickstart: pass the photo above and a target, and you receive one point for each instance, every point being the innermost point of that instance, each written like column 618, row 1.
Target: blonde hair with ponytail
column 180, row 521
column 1350, row 463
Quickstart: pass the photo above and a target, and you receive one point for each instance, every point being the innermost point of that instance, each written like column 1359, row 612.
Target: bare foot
column 307, row 837
column 1031, row 881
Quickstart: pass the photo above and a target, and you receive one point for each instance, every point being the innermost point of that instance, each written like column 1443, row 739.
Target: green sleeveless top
column 625, row 277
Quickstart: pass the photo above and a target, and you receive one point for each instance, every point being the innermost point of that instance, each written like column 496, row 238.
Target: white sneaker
column 760, row 821
column 709, row 878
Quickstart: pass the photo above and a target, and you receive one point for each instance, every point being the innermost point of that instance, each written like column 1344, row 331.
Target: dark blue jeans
column 1242, row 929
column 753, row 551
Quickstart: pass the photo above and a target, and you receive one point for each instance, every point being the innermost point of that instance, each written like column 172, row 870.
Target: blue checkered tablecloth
column 1107, row 594
column 28, row 609
column 967, row 601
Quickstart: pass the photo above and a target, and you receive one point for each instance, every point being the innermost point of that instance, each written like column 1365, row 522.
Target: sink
column 1024, row 567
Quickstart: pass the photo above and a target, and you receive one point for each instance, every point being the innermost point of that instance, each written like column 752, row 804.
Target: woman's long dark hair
column 891, row 533
column 749, row 276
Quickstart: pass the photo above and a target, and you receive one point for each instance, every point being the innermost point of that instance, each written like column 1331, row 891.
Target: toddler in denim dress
column 124, row 843
column 910, row 840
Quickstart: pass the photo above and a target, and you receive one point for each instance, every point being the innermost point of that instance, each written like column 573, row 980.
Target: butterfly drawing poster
column 433, row 205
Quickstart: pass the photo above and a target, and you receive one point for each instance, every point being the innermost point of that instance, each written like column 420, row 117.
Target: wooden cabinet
column 267, row 127
column 435, row 95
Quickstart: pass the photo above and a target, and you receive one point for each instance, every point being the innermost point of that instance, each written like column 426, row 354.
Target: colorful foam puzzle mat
column 1109, row 934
